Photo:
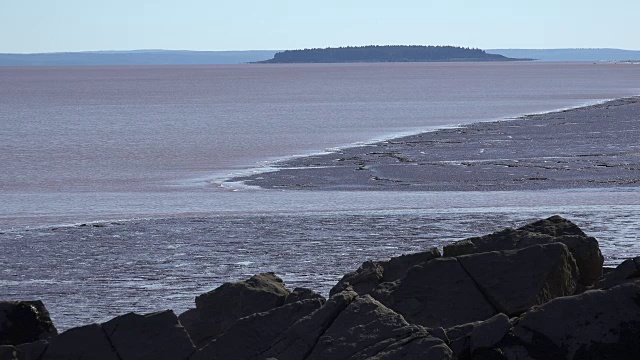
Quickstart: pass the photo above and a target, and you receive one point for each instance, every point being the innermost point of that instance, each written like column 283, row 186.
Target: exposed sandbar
column 595, row 146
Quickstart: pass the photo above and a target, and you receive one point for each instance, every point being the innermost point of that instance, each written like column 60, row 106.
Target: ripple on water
column 91, row 274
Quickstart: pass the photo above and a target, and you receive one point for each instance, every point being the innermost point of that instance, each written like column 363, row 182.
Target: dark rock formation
column 9, row 352
column 24, row 322
column 299, row 340
column 367, row 329
column 218, row 309
column 489, row 332
column 445, row 292
column 153, row 336
column 584, row 249
column 299, row 294
column 513, row 281
column 33, row 350
column 372, row 273
column 627, row 271
column 252, row 335
column 86, row 342
column 478, row 335
column 594, row 325
column 438, row 293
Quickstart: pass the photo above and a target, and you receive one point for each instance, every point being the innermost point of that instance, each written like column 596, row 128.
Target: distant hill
column 388, row 53
column 570, row 54
column 348, row 54
column 136, row 57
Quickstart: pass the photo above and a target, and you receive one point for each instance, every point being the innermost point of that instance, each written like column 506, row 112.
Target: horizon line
column 248, row 50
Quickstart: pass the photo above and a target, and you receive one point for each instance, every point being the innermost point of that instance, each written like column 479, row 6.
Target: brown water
column 155, row 143
column 72, row 134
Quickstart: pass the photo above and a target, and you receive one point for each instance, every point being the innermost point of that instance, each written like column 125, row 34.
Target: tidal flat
column 587, row 147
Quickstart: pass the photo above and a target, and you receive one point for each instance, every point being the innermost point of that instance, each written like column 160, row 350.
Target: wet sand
column 595, row 146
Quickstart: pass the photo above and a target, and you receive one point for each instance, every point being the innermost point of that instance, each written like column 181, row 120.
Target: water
column 95, row 272
column 144, row 151
column 144, row 132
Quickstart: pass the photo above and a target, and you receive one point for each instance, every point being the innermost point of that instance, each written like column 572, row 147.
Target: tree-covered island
column 387, row 53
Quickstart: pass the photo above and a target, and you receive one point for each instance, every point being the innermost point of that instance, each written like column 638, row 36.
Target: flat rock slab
column 153, row 336
column 514, row 281
column 86, row 342
column 368, row 276
column 367, row 329
column 218, row 309
column 252, row 335
column 598, row 324
column 438, row 293
column 300, row 339
column 589, row 147
column 584, row 249
column 628, row 270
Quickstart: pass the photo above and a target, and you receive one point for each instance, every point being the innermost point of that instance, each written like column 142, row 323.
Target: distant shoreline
column 186, row 57
column 576, row 148
column 387, row 53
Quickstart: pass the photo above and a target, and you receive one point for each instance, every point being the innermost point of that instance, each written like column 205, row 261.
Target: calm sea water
column 154, row 144
column 82, row 143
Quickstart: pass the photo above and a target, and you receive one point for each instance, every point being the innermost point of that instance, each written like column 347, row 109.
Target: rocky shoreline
column 589, row 147
column 536, row 292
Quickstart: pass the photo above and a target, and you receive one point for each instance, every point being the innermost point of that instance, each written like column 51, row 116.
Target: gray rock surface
column 153, row 336
column 252, row 335
column 513, row 281
column 299, row 294
column 485, row 334
column 300, row 339
column 598, row 324
column 628, row 270
column 34, row 350
column 584, row 249
column 368, row 276
column 218, row 309
column 489, row 332
column 86, row 342
column 367, row 329
column 27, row 351
column 9, row 352
column 438, row 293
column 24, row 322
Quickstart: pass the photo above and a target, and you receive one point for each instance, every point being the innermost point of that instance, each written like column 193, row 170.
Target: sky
column 33, row 26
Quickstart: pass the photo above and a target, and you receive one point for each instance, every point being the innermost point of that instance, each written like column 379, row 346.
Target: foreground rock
column 584, row 249
column 24, row 322
column 466, row 339
column 438, row 293
column 252, row 335
column 514, row 281
column 594, row 325
column 86, row 342
column 445, row 292
column 153, row 336
column 218, row 309
column 629, row 270
column 367, row 329
column 372, row 273
column 349, row 326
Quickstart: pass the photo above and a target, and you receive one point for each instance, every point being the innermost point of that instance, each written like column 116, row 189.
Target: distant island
column 186, row 57
column 388, row 53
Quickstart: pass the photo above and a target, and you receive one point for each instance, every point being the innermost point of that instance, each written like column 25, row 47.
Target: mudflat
column 595, row 146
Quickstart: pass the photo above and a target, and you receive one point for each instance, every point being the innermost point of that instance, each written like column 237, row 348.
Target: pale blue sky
column 77, row 25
